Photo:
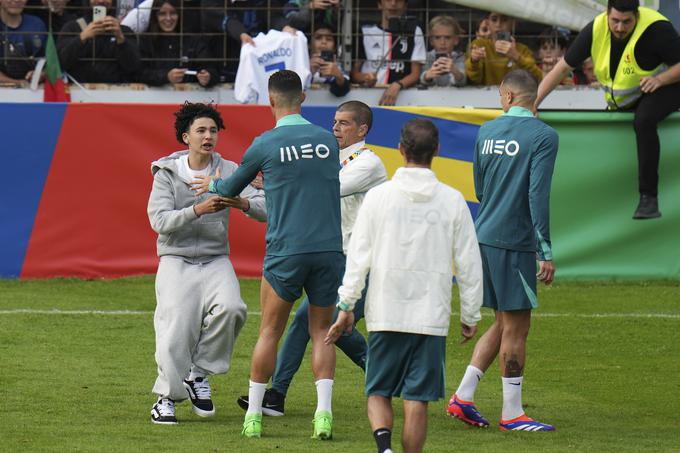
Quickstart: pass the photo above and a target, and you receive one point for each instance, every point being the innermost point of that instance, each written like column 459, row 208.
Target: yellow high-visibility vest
column 624, row 90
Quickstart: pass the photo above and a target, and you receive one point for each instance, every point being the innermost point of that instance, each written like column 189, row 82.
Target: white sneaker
column 201, row 396
column 163, row 412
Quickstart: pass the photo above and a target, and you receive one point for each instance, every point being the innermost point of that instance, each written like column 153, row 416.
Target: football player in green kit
column 513, row 165
column 299, row 164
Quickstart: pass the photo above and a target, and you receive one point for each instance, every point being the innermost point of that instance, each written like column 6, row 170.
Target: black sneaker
column 648, row 208
column 272, row 404
column 163, row 412
column 200, row 396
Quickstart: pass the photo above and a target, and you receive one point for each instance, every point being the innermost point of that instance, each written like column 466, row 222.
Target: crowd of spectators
column 159, row 42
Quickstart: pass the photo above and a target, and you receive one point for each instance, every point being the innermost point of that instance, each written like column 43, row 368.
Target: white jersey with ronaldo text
column 272, row 52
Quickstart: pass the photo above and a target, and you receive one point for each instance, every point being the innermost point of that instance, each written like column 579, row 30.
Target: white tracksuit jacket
column 408, row 233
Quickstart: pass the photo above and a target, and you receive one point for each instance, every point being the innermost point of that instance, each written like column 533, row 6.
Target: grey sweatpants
column 199, row 314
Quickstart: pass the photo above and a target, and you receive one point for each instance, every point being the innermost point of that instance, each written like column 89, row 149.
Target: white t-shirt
column 272, row 52
column 186, row 172
column 391, row 59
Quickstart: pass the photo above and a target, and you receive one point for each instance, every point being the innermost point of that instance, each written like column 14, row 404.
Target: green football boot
column 323, row 425
column 252, row 425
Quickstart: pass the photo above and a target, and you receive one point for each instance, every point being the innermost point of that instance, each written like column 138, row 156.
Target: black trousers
column 649, row 112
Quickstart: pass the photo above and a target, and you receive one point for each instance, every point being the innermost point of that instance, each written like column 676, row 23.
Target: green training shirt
column 299, row 164
column 513, row 166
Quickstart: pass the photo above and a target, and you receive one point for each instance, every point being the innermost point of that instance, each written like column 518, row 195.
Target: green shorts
column 509, row 279
column 319, row 274
column 407, row 365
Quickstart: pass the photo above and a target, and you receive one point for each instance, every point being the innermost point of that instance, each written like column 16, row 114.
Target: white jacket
column 357, row 176
column 408, row 233
column 272, row 52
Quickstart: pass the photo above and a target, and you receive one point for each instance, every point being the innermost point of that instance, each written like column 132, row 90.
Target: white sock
column 468, row 385
column 512, row 397
column 255, row 397
column 324, row 394
column 196, row 374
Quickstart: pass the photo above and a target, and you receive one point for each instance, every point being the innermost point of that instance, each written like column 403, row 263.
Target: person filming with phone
column 173, row 58
column 489, row 60
column 323, row 62
column 96, row 48
column 444, row 66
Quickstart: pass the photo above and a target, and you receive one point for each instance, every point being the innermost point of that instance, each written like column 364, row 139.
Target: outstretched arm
column 237, row 181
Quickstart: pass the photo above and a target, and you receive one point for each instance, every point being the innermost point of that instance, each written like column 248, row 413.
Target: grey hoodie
column 171, row 211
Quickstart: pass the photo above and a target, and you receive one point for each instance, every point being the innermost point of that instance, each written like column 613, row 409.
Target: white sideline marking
column 56, row 311
column 607, row 315
column 31, row 311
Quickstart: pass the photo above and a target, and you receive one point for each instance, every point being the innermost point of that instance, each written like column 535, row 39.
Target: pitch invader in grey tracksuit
column 513, row 165
column 199, row 311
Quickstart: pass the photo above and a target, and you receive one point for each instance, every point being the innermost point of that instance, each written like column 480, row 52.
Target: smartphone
column 503, row 36
column 190, row 72
column 402, row 25
column 98, row 13
column 441, row 55
column 327, row 55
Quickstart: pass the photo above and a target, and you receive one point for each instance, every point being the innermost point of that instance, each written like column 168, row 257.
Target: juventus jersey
column 390, row 55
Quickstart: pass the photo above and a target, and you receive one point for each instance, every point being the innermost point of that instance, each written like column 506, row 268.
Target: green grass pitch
column 603, row 366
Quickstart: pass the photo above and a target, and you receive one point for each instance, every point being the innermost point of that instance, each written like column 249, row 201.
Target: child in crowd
column 586, row 74
column 323, row 62
column 444, row 66
column 552, row 45
column 490, row 59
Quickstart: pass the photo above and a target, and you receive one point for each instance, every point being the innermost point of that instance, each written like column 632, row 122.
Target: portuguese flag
column 55, row 88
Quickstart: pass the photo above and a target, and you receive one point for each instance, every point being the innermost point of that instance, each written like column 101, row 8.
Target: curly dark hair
column 189, row 112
